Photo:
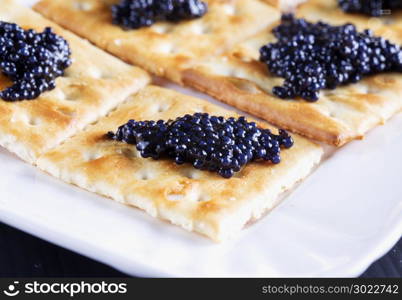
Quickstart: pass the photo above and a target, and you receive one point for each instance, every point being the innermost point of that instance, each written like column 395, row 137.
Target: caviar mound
column 31, row 60
column 375, row 8
column 134, row 14
column 207, row 142
column 311, row 57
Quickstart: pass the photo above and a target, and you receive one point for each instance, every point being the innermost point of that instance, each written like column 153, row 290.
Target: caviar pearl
column 311, row 57
column 134, row 14
column 373, row 8
column 229, row 146
column 31, row 60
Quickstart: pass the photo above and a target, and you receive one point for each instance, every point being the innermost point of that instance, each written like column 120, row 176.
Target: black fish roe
column 207, row 142
column 375, row 8
column 311, row 57
column 134, row 14
column 31, row 60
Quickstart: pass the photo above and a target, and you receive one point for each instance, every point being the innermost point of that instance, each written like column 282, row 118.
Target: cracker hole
column 34, row 121
column 162, row 108
column 162, row 28
column 158, row 108
column 201, row 29
column 83, row 6
column 226, row 71
column 91, row 156
column 200, row 110
column 373, row 90
column 72, row 94
column 94, row 73
column 145, row 175
column 229, row 9
column 117, row 42
column 203, row 198
column 191, row 173
column 107, row 76
column 235, row 73
column 58, row 94
column 167, row 48
column 222, row 69
column 361, row 88
column 175, row 197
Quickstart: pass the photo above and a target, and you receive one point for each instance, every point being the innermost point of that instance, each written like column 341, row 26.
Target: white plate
column 342, row 218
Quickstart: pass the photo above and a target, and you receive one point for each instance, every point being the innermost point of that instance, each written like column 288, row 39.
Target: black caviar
column 31, row 60
column 207, row 142
column 134, row 14
column 311, row 57
column 375, row 8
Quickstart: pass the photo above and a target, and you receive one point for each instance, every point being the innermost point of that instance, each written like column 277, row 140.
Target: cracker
column 388, row 26
column 93, row 85
column 163, row 48
column 341, row 115
column 198, row 201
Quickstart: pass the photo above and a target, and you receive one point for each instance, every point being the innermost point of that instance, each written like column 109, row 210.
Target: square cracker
column 93, row 85
column 165, row 47
column 341, row 115
column 199, row 201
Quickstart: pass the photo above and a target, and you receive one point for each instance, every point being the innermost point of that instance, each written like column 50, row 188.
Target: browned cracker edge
column 289, row 117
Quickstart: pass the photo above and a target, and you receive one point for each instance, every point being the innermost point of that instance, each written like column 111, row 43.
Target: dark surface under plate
column 22, row 255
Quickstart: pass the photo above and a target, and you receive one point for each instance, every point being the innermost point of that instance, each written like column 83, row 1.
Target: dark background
column 22, row 255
